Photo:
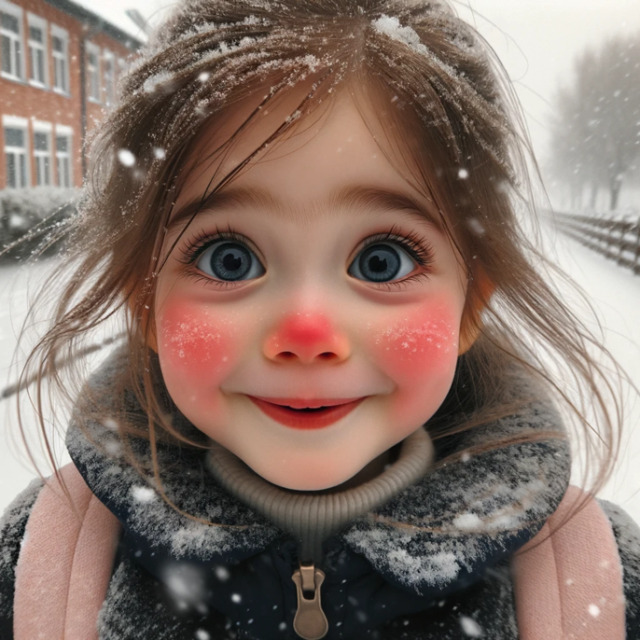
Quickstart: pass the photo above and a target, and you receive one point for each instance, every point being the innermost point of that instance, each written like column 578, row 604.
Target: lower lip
column 303, row 420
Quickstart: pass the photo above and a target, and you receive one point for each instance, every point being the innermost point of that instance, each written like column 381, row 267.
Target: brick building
column 59, row 64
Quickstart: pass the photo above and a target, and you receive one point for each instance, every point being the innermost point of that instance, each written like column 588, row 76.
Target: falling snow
column 126, row 158
column 476, row 226
column 222, row 573
column 470, row 627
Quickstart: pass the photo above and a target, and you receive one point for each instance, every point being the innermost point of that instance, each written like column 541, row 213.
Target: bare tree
column 596, row 125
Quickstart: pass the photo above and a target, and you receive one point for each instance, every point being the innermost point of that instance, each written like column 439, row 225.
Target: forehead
column 330, row 160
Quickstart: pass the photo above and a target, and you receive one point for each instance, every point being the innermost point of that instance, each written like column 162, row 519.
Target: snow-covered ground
column 614, row 292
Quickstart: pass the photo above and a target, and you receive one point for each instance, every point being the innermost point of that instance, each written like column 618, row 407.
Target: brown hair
column 442, row 99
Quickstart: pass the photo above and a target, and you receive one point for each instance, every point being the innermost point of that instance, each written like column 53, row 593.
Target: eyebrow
column 351, row 196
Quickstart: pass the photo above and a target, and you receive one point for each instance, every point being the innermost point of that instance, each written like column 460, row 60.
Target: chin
column 307, row 479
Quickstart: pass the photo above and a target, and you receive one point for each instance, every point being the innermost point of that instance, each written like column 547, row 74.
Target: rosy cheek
column 424, row 339
column 195, row 342
column 418, row 351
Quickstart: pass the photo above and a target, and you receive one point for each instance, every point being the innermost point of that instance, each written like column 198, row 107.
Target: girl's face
column 312, row 280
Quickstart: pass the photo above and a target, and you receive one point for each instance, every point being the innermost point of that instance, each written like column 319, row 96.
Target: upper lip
column 307, row 403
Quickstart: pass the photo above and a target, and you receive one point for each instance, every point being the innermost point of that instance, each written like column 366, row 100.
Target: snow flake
column 143, row 494
column 201, row 634
column 110, row 423
column 294, row 116
column 204, row 76
column 390, row 26
column 594, row 610
column 282, row 626
column 152, row 83
column 222, row 573
column 467, row 522
column 185, row 581
column 470, row 627
column 476, row 226
column 114, row 449
column 236, row 597
column 126, row 158
column 463, row 173
column 311, row 61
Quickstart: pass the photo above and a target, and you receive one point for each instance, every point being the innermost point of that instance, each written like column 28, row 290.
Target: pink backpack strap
column 570, row 586
column 65, row 563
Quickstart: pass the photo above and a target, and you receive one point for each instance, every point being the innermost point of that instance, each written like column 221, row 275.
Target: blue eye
column 229, row 261
column 381, row 263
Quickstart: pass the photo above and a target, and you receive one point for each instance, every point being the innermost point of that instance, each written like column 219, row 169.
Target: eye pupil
column 380, row 263
column 230, row 261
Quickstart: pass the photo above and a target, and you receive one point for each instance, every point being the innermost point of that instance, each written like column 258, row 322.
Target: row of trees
column 595, row 130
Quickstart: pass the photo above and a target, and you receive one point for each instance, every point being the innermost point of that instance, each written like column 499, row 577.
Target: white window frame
column 17, row 66
column 39, row 23
column 60, row 60
column 14, row 122
column 93, row 75
column 62, row 157
column 43, row 159
column 109, row 78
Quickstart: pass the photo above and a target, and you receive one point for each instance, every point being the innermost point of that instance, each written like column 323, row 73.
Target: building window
column 93, row 72
column 11, row 40
column 60, row 51
column 42, row 153
column 63, row 158
column 109, row 72
column 15, row 149
column 37, row 51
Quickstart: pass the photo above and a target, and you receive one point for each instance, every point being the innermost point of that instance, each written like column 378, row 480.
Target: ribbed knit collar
column 431, row 536
column 311, row 518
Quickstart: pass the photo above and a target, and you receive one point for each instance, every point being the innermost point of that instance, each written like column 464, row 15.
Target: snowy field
column 614, row 292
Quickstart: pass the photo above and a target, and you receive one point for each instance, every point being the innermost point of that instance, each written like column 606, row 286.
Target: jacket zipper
column 310, row 621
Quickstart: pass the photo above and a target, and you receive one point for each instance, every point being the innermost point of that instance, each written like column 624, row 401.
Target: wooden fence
column 615, row 238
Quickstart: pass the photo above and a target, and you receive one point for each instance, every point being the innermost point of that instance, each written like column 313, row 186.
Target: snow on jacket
column 431, row 564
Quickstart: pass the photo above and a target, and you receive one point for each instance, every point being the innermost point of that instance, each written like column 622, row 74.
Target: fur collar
column 463, row 516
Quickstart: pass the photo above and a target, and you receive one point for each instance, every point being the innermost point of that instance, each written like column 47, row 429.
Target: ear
column 147, row 323
column 471, row 324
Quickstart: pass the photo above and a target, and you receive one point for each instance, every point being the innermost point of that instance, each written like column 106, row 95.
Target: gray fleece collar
column 461, row 517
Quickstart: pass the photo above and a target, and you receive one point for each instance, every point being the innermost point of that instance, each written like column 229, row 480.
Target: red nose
column 306, row 336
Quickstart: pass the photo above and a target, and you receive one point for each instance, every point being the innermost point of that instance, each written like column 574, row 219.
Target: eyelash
column 421, row 251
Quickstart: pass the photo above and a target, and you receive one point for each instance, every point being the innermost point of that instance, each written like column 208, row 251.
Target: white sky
column 537, row 40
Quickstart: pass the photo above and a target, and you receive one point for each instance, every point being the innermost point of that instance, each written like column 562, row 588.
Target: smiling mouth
column 306, row 417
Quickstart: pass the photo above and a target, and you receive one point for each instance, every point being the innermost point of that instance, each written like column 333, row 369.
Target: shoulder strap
column 65, row 563
column 570, row 585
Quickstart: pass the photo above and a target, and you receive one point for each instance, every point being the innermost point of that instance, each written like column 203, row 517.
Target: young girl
column 328, row 417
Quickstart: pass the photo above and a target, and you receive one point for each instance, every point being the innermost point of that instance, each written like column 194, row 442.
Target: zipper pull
column 310, row 622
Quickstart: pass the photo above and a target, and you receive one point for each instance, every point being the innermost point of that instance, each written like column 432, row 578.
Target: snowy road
column 614, row 292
